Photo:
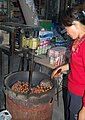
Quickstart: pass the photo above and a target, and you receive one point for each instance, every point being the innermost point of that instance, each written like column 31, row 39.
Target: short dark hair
column 77, row 12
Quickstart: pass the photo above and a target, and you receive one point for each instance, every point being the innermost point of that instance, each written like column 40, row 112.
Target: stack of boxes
column 57, row 55
column 45, row 41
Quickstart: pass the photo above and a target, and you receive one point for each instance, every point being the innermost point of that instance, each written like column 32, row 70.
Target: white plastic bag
column 5, row 115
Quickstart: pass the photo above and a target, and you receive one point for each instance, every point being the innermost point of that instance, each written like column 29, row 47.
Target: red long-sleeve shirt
column 76, row 78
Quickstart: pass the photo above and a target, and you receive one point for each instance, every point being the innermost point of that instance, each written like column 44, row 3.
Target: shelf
column 3, row 10
column 44, row 60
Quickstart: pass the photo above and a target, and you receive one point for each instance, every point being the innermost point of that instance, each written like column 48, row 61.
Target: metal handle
column 56, row 73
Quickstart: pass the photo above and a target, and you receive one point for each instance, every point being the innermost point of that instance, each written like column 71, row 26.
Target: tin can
column 51, row 60
column 51, row 53
column 33, row 43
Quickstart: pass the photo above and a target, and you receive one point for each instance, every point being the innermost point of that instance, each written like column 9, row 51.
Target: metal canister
column 51, row 60
column 51, row 53
column 33, row 43
column 23, row 41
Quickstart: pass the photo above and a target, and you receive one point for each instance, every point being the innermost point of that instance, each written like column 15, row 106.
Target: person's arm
column 82, row 111
column 60, row 70
column 82, row 114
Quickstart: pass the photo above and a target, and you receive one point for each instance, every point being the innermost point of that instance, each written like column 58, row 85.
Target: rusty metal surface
column 31, row 107
column 38, row 112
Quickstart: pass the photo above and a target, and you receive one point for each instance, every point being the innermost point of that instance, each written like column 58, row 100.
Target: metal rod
column 31, row 68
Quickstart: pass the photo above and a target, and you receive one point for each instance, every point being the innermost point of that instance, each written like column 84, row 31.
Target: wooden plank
column 29, row 12
column 44, row 60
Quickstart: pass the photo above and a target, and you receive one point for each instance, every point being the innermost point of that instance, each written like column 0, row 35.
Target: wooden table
column 44, row 60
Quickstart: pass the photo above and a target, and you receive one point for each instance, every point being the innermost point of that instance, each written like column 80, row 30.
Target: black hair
column 75, row 13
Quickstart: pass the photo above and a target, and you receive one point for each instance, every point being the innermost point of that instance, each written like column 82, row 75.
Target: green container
column 46, row 24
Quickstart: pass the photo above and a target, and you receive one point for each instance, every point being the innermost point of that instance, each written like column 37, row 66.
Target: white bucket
column 5, row 115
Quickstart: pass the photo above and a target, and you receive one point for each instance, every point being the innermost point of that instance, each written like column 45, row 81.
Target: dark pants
column 74, row 104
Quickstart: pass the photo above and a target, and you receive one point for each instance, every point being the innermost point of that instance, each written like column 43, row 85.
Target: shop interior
column 31, row 47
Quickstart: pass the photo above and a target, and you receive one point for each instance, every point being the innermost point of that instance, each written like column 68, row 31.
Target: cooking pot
column 29, row 106
column 37, row 78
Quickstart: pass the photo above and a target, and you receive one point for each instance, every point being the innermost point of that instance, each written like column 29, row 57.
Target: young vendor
column 74, row 22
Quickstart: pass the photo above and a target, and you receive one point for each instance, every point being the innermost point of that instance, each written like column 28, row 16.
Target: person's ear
column 75, row 23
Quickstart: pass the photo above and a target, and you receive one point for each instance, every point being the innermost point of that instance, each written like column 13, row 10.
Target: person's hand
column 56, row 72
column 82, row 114
column 59, row 70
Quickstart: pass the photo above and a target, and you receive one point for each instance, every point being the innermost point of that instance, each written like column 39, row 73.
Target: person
column 82, row 111
column 73, row 20
column 82, row 114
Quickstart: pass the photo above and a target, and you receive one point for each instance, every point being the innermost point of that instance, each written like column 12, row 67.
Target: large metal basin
column 29, row 106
